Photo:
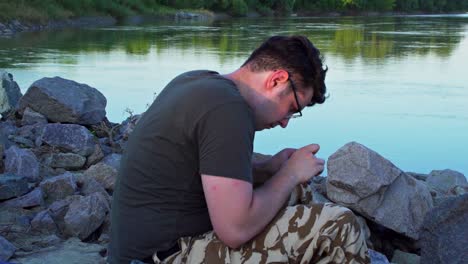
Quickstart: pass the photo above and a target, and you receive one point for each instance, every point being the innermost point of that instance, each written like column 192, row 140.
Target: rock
column 32, row 199
column 22, row 162
column 72, row 251
column 7, row 128
column 444, row 180
column 69, row 137
column 459, row 190
column 10, row 93
column 95, row 157
column 365, row 229
column 22, row 141
column 6, row 249
column 104, row 174
column 43, row 222
column 58, row 210
column 364, row 181
column 90, row 186
column 31, row 117
column 318, row 185
column 444, row 234
column 35, row 242
column 113, row 160
column 12, row 186
column 2, row 153
column 377, row 258
column 32, row 133
column 58, row 187
column 401, row 257
column 69, row 161
column 14, row 222
column 418, row 176
column 62, row 100
column 85, row 215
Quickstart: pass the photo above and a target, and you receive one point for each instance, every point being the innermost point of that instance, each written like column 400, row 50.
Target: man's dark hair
column 298, row 56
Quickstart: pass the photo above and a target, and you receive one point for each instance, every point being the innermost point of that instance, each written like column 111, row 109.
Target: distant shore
column 15, row 26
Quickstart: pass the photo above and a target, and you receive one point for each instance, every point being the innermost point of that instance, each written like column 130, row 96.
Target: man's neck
column 248, row 83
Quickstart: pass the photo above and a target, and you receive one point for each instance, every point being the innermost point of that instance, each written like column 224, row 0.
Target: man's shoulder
column 208, row 87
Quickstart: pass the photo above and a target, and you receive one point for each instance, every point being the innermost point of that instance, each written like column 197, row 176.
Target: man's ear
column 277, row 78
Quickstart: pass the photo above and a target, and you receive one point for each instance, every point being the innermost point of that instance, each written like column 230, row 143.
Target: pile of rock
column 409, row 214
column 59, row 161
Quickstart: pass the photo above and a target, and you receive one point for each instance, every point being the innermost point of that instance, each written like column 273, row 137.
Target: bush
column 239, row 8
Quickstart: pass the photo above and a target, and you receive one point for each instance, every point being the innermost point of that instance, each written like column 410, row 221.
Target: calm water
column 398, row 85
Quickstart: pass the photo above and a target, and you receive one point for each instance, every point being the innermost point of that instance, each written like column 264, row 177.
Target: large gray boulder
column 22, row 162
column 10, row 92
column 401, row 257
column 69, row 137
column 31, row 117
column 113, row 160
column 444, row 236
column 445, row 180
column 7, row 128
column 104, row 174
column 59, row 209
column 6, row 249
column 90, row 186
column 377, row 257
column 69, row 161
column 12, row 186
column 58, row 187
column 44, row 223
column 85, row 215
column 31, row 199
column 364, row 181
column 62, row 100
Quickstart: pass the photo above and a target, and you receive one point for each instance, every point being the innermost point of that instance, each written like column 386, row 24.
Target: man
column 185, row 190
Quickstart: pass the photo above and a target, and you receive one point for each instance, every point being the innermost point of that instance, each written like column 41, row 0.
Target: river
column 397, row 84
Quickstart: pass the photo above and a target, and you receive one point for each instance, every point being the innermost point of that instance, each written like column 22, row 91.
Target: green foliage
column 42, row 10
column 239, row 8
column 407, row 5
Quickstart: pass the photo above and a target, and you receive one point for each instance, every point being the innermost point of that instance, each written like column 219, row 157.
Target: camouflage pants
column 300, row 233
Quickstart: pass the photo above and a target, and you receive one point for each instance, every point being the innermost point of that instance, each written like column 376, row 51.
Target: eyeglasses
column 298, row 113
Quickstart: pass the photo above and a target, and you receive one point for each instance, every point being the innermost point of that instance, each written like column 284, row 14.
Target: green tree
column 407, row 5
column 239, row 7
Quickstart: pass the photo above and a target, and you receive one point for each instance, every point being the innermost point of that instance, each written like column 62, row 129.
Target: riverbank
column 16, row 26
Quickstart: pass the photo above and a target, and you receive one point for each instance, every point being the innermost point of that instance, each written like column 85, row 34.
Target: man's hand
column 303, row 165
column 275, row 162
column 265, row 169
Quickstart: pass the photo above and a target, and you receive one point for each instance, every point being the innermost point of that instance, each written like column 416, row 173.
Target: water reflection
column 349, row 38
column 398, row 84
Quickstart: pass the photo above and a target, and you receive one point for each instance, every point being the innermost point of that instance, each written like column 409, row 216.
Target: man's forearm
column 267, row 200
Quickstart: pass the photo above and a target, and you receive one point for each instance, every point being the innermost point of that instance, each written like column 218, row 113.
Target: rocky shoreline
column 59, row 161
column 10, row 28
column 15, row 26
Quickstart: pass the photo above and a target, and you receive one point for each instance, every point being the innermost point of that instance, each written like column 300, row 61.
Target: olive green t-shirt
column 199, row 124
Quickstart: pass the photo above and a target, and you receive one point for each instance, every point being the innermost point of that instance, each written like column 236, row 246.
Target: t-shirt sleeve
column 225, row 141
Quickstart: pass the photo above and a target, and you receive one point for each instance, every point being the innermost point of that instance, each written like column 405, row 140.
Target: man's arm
column 238, row 212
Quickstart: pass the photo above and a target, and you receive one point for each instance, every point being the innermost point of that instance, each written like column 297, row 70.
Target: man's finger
column 314, row 148
column 321, row 161
column 320, row 170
